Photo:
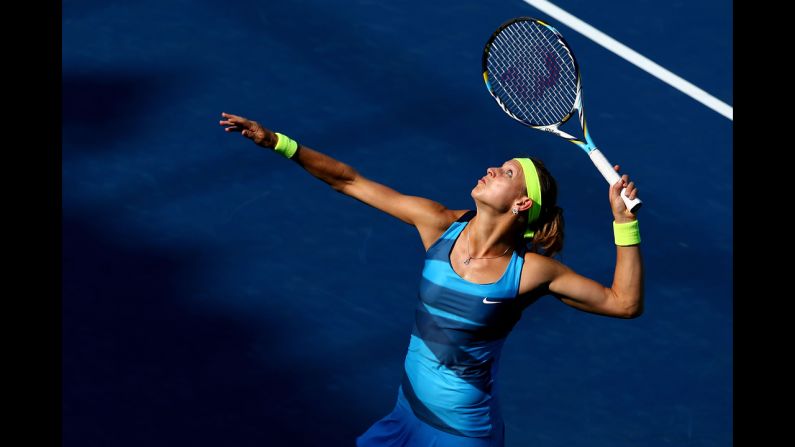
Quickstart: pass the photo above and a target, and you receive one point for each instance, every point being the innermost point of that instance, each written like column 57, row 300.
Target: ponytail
column 549, row 235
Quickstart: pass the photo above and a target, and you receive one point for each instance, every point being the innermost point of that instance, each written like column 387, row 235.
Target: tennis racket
column 531, row 72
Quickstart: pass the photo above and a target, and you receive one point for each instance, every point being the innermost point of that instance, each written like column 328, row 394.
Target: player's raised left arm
column 624, row 298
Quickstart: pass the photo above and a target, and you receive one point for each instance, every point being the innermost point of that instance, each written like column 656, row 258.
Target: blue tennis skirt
column 401, row 428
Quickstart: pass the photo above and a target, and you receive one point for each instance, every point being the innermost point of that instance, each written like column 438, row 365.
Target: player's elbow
column 632, row 310
column 625, row 305
column 344, row 178
column 635, row 313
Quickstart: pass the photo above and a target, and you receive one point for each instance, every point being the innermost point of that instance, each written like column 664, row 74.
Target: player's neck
column 490, row 235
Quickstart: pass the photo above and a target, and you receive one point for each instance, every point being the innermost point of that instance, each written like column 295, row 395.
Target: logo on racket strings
column 522, row 80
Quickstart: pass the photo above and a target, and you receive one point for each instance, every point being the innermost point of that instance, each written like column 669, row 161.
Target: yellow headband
column 533, row 192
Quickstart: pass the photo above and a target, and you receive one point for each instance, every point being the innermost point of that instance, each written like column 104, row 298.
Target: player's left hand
column 620, row 212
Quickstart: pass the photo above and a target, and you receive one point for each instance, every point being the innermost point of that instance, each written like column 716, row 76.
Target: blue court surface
column 216, row 294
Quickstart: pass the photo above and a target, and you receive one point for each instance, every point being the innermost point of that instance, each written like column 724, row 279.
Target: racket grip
column 612, row 177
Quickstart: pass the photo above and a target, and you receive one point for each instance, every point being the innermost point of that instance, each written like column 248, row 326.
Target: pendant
column 467, row 261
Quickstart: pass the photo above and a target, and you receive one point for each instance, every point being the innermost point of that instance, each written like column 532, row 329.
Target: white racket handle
column 612, row 177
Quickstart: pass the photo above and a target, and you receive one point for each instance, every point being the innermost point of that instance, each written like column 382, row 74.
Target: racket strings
column 545, row 112
column 539, row 77
column 541, row 68
column 532, row 73
column 555, row 106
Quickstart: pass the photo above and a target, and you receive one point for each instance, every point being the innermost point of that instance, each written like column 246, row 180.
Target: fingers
column 234, row 123
column 231, row 126
column 631, row 189
column 625, row 183
column 232, row 120
column 244, row 132
column 248, row 128
column 230, row 116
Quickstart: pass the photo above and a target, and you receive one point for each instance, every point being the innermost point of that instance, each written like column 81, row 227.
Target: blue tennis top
column 456, row 341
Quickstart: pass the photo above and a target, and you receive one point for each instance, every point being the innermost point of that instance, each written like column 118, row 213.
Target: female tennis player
column 483, row 267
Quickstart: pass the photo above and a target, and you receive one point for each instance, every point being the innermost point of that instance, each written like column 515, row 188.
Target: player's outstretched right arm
column 428, row 216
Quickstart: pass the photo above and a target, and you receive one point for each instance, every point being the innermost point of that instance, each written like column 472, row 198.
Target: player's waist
column 461, row 411
column 473, row 360
column 467, row 385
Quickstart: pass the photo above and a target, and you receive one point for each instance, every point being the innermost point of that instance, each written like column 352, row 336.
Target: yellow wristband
column 285, row 145
column 626, row 233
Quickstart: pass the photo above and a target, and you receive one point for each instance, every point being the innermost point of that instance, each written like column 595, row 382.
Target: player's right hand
column 249, row 129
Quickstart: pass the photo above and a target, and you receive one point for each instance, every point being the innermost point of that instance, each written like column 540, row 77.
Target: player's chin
column 481, row 197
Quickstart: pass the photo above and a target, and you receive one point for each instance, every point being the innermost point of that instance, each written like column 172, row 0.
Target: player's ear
column 524, row 204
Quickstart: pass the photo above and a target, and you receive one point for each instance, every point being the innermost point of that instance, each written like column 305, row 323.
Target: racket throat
column 587, row 145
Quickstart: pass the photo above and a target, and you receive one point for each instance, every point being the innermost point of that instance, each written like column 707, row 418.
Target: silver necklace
column 469, row 257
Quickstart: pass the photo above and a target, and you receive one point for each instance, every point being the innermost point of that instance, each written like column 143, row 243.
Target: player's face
column 501, row 186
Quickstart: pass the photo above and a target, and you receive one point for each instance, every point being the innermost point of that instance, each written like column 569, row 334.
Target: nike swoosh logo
column 486, row 300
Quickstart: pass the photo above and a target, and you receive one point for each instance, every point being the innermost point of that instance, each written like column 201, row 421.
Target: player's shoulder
column 434, row 225
column 538, row 270
column 538, row 261
column 447, row 217
column 456, row 215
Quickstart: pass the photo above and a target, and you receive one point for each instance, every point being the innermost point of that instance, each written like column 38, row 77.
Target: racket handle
column 612, row 177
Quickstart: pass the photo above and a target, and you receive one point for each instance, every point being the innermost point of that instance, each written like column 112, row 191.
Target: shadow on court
column 100, row 108
column 140, row 367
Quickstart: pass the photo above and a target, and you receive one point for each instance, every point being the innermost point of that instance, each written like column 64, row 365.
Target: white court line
column 634, row 57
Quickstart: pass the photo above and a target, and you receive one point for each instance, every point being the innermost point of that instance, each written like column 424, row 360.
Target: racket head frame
column 587, row 144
